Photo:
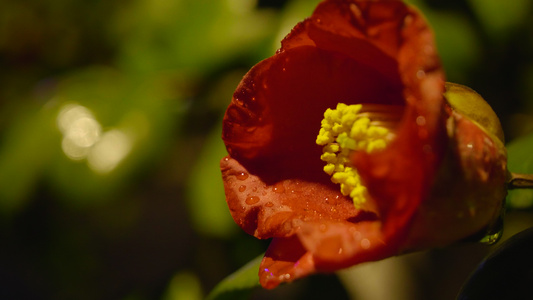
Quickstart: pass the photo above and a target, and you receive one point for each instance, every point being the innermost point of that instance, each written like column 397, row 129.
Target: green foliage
column 184, row 286
column 501, row 18
column 207, row 202
column 28, row 146
column 457, row 41
column 520, row 160
column 239, row 284
column 195, row 36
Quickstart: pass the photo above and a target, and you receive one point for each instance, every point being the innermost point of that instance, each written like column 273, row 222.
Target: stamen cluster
column 343, row 130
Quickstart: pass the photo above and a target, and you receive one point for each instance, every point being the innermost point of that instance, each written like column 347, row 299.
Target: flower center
column 359, row 127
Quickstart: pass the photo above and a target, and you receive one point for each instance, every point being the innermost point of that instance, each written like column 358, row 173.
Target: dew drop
column 492, row 238
column 494, row 233
column 278, row 188
column 374, row 32
column 251, row 129
column 242, row 176
column 408, row 20
column 269, row 204
column 420, row 74
column 356, row 11
column 250, row 200
column 242, row 188
column 420, row 121
column 365, row 243
column 226, row 158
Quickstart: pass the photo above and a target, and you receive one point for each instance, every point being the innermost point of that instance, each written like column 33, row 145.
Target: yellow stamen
column 345, row 129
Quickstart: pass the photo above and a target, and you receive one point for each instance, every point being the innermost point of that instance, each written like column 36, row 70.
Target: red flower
column 417, row 192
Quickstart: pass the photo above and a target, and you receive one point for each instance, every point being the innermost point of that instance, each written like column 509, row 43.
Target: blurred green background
column 110, row 142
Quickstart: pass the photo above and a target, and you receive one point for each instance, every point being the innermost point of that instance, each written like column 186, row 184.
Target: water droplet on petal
column 269, row 204
column 494, row 233
column 374, row 32
column 242, row 176
column 365, row 243
column 250, row 200
column 420, row 121
column 408, row 20
column 242, row 188
column 356, row 11
column 278, row 188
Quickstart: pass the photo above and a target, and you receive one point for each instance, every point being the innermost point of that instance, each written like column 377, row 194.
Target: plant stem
column 520, row 181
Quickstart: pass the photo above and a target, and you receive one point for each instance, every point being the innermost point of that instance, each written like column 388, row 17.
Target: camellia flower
column 346, row 146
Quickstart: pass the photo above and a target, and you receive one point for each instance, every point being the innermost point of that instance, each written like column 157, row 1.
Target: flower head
column 342, row 146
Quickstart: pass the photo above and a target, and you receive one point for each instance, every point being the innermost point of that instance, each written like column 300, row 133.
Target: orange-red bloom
column 419, row 195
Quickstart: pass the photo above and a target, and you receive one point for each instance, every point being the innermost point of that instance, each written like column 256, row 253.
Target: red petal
column 322, row 247
column 280, row 209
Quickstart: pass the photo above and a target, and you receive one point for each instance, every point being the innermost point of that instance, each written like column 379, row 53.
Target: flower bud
column 466, row 201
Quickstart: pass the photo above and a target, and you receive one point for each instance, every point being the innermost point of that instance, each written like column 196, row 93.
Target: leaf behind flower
column 238, row 285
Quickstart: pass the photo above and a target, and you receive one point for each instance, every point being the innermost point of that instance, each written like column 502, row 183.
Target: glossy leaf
column 239, row 284
column 507, row 273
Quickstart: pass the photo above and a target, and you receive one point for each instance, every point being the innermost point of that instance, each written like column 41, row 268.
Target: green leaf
column 25, row 151
column 520, row 160
column 206, row 199
column 191, row 35
column 238, row 285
